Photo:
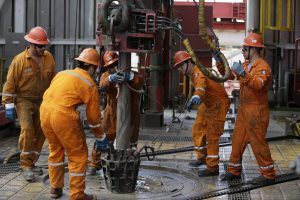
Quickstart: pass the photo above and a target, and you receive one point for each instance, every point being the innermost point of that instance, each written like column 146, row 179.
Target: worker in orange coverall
column 29, row 75
column 253, row 112
column 110, row 80
column 63, row 128
column 210, row 117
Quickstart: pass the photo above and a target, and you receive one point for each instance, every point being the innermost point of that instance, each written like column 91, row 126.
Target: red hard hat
column 254, row 40
column 110, row 58
column 37, row 35
column 180, row 57
column 90, row 56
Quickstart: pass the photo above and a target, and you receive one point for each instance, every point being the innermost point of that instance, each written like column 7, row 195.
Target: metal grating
column 8, row 168
column 237, row 196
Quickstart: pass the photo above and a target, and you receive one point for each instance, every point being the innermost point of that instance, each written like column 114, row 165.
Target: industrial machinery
column 137, row 26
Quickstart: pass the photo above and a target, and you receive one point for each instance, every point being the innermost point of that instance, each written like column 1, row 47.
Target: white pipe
column 252, row 20
column 1, row 3
column 19, row 10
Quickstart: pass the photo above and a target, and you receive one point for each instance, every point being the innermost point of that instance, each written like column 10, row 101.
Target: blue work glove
column 10, row 111
column 128, row 75
column 116, row 78
column 194, row 100
column 101, row 144
column 238, row 68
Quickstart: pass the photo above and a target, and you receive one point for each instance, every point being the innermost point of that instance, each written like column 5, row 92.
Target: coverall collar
column 253, row 65
column 28, row 55
column 82, row 70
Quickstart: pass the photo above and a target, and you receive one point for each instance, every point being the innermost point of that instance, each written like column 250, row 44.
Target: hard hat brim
column 176, row 65
column 87, row 61
column 253, row 45
column 110, row 63
column 28, row 39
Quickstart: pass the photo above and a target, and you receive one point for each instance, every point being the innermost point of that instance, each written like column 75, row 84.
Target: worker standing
column 109, row 81
column 63, row 128
column 29, row 75
column 253, row 112
column 211, row 113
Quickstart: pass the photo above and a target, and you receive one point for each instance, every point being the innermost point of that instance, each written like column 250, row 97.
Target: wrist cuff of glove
column 131, row 76
column 109, row 78
column 103, row 137
column 9, row 105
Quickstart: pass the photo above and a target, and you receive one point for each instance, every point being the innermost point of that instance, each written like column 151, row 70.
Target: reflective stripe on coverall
column 63, row 128
column 28, row 82
column 216, row 101
column 253, row 119
column 110, row 113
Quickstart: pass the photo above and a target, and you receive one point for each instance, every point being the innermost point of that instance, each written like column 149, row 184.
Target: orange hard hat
column 90, row 56
column 180, row 57
column 37, row 35
column 110, row 58
column 254, row 40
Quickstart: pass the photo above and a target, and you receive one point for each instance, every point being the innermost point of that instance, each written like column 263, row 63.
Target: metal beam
column 1, row 3
column 88, row 42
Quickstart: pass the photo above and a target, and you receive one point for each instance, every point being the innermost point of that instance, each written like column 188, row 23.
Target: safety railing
column 280, row 8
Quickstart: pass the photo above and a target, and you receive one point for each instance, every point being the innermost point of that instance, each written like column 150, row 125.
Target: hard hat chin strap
column 187, row 67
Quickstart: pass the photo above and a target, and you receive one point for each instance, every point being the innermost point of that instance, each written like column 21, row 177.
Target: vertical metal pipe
column 19, row 19
column 278, row 15
column 262, row 16
column 156, row 82
column 123, row 107
column 252, row 21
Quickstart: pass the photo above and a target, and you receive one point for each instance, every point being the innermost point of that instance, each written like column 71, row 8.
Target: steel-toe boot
column 262, row 179
column 37, row 170
column 56, row 193
column 196, row 163
column 208, row 172
column 91, row 171
column 28, row 175
column 229, row 177
column 88, row 197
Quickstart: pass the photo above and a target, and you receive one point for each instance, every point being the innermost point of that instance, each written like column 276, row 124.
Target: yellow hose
column 212, row 46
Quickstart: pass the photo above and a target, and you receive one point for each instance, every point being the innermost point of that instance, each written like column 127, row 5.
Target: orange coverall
column 210, row 118
column 253, row 119
column 25, row 86
column 63, row 128
column 110, row 113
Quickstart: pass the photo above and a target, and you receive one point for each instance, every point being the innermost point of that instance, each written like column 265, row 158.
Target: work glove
column 10, row 111
column 295, row 165
column 101, row 144
column 194, row 100
column 116, row 78
column 238, row 68
column 128, row 75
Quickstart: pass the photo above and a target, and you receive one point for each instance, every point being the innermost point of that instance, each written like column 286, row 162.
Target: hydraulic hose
column 212, row 46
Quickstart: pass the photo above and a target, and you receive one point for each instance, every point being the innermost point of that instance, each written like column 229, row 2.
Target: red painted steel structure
column 229, row 13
